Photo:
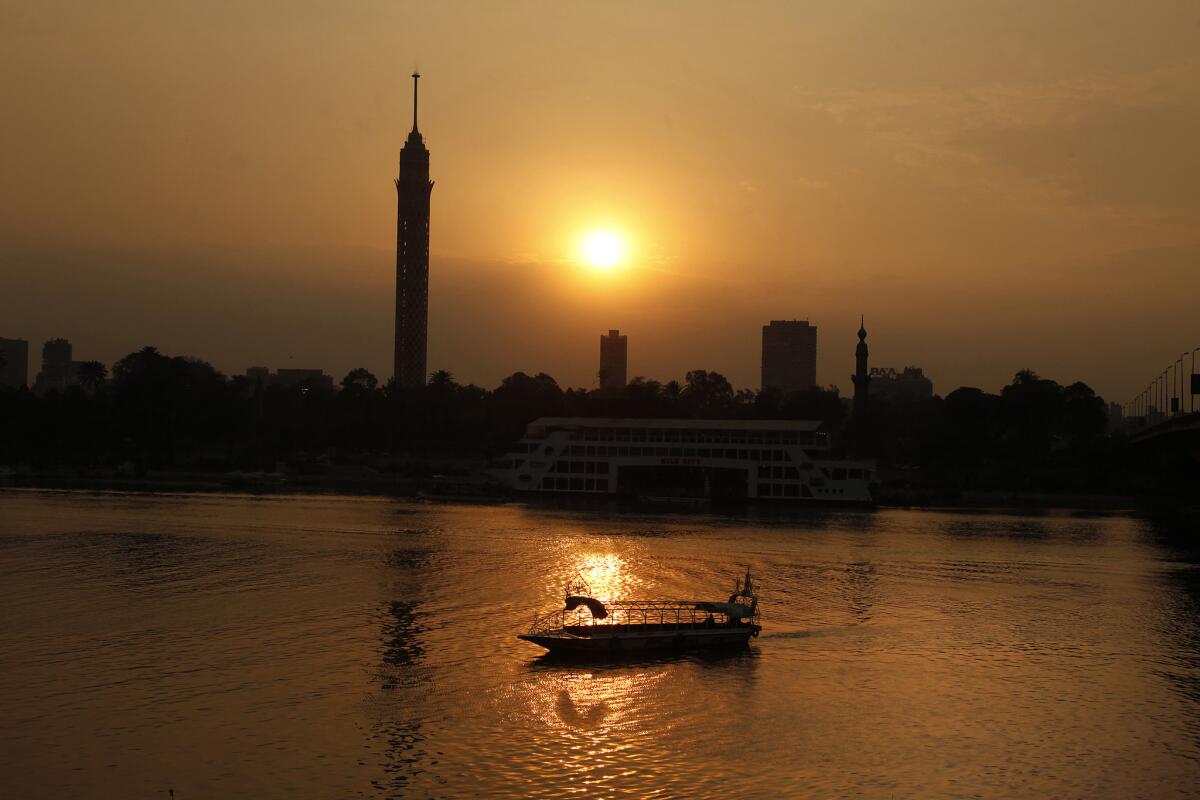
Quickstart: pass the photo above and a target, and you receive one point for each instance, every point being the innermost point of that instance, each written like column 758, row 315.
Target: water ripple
column 324, row 646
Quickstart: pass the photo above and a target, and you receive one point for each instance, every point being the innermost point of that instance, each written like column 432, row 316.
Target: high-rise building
column 14, row 363
column 789, row 355
column 614, row 361
column 57, row 368
column 413, row 189
column 861, row 378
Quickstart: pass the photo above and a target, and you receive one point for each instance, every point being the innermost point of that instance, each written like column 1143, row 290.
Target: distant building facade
column 58, row 370
column 14, row 363
column 614, row 361
column 907, row 384
column 1116, row 416
column 789, row 355
column 309, row 379
column 413, row 190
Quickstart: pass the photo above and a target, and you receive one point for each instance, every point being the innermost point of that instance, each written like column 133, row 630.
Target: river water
column 326, row 646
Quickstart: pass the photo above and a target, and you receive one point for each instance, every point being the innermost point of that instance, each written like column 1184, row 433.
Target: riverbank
column 453, row 479
column 475, row 486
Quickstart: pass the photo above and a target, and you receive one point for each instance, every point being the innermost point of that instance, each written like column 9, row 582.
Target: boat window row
column 780, row 490
column 766, row 472
column 603, row 451
column 553, row 484
column 695, row 436
column 796, row 490
column 580, row 467
column 843, row 473
column 778, row 473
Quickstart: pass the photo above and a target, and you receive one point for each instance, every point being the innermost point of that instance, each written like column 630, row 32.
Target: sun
column 602, row 249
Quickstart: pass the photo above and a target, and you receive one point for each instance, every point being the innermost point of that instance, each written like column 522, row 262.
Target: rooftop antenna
column 416, row 76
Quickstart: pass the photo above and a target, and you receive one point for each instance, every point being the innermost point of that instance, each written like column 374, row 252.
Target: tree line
column 157, row 411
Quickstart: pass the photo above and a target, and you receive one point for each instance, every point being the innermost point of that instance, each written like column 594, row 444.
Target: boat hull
column 604, row 643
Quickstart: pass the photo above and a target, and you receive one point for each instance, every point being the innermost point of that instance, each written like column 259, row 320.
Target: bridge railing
column 1172, row 393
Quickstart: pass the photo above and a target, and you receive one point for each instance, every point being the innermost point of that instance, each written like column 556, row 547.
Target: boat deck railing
column 625, row 613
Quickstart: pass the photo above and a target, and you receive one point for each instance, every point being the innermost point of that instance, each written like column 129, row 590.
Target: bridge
column 1168, row 409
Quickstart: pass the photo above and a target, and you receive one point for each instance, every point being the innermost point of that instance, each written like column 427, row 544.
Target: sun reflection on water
column 608, row 576
column 603, row 573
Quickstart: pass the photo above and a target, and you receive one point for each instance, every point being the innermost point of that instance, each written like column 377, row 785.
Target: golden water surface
column 328, row 646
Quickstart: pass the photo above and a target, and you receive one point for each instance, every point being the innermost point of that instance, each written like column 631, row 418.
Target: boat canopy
column 595, row 606
column 731, row 610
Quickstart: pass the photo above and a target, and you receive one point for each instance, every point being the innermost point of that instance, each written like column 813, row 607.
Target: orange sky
column 995, row 185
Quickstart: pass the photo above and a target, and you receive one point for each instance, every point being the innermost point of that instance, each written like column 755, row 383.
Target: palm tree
column 672, row 394
column 441, row 379
column 91, row 375
column 1025, row 376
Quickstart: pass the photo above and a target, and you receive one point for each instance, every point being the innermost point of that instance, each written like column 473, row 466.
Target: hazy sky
column 995, row 185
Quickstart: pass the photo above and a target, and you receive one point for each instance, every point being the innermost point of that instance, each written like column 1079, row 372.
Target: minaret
column 860, row 377
column 413, row 188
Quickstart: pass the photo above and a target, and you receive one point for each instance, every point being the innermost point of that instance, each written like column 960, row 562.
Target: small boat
column 587, row 626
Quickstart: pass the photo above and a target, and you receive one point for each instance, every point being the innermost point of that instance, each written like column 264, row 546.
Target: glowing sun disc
column 602, row 249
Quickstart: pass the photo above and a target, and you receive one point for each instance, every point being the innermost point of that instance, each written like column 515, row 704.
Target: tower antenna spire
column 416, row 76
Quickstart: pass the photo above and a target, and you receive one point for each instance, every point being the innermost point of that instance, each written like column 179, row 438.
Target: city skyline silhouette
column 974, row 213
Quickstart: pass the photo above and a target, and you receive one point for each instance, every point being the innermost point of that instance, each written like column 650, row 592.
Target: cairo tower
column 413, row 189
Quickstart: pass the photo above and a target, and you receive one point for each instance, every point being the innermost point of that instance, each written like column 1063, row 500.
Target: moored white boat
column 724, row 460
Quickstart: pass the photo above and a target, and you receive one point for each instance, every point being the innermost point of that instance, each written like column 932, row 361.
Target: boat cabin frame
column 624, row 615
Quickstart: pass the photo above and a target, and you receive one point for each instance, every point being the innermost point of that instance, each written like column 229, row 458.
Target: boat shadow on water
column 720, row 656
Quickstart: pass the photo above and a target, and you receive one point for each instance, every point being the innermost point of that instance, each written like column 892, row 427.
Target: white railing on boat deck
column 650, row 612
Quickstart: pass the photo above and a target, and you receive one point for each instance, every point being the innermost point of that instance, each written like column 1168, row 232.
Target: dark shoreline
column 477, row 490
